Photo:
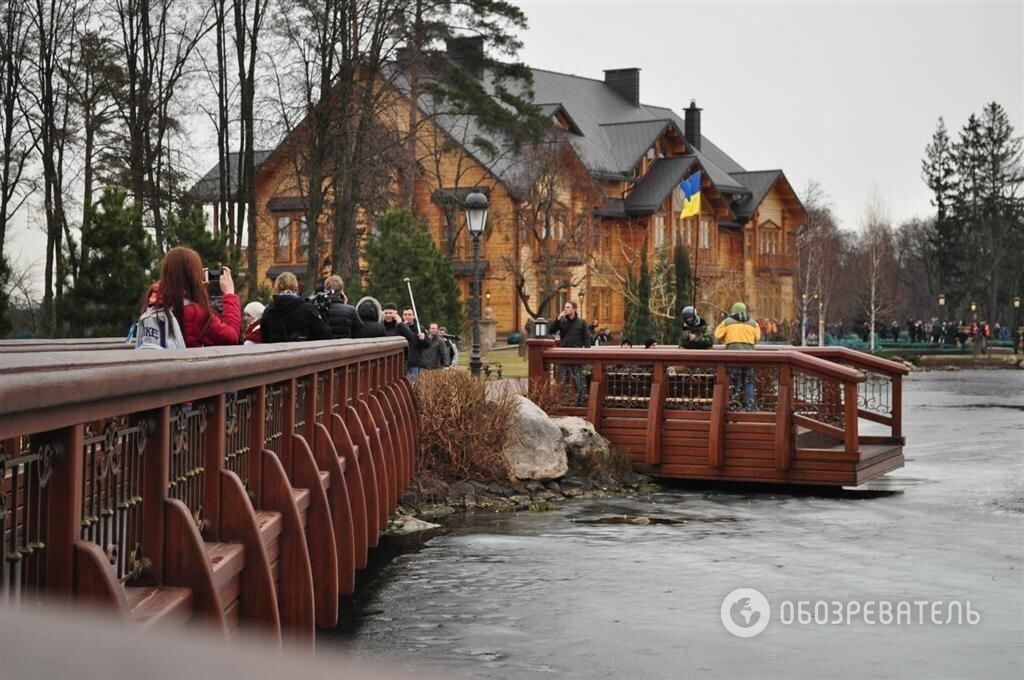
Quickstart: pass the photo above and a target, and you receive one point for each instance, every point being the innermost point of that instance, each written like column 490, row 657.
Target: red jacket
column 223, row 330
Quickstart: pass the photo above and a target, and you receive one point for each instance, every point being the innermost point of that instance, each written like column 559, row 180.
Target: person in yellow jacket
column 739, row 331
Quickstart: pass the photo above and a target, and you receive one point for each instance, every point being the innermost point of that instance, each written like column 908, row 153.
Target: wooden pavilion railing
column 237, row 485
column 780, row 415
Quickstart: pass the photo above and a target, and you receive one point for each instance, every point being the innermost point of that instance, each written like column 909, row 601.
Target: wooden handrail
column 861, row 360
column 696, row 357
column 45, row 391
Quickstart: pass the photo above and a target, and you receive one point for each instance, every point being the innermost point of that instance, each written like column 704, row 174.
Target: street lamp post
column 476, row 217
column 583, row 310
column 1016, row 323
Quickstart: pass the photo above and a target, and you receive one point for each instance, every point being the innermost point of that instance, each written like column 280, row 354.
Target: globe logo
column 745, row 612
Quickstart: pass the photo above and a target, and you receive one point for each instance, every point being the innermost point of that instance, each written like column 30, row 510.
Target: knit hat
column 739, row 308
column 255, row 309
column 390, row 305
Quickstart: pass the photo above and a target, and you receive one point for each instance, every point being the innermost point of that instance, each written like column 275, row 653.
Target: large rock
column 581, row 439
column 539, row 452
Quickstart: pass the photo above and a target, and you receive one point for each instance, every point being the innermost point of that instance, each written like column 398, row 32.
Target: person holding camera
column 184, row 291
column 289, row 318
column 342, row 317
column 695, row 333
column 573, row 331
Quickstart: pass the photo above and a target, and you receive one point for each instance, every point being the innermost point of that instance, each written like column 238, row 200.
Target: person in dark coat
column 289, row 318
column 573, row 331
column 370, row 316
column 695, row 333
column 435, row 355
column 393, row 325
column 342, row 317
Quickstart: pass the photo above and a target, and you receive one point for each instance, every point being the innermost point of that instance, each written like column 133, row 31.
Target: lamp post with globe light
column 476, row 217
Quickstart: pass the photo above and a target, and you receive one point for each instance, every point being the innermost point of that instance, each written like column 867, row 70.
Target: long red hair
column 181, row 278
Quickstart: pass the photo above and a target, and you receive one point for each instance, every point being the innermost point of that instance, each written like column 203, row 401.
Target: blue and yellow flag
column 691, row 195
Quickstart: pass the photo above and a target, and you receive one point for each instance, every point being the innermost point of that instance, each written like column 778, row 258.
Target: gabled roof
column 759, row 183
column 664, row 176
column 549, row 110
column 629, row 141
column 207, row 189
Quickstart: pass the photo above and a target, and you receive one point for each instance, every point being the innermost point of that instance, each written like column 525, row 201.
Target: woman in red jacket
column 183, row 291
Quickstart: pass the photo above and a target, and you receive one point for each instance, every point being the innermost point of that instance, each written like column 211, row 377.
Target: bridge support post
column 719, row 408
column 655, row 411
column 784, row 420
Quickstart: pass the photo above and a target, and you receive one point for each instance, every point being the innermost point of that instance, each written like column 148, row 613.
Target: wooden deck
column 682, row 414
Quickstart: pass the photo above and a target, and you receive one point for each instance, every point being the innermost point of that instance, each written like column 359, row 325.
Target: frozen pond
column 552, row 595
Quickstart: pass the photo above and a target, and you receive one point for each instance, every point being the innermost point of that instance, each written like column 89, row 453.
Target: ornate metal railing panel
column 875, row 393
column 188, row 458
column 25, row 471
column 753, row 388
column 237, row 421
column 321, row 388
column 301, row 398
column 629, row 386
column 114, row 456
column 274, row 416
column 818, row 398
column 689, row 388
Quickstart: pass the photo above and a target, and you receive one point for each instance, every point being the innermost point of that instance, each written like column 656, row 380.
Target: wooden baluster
column 784, row 419
column 896, row 431
column 309, row 411
column 598, row 390
column 216, row 428
column 154, row 492
column 716, row 427
column 64, row 514
column 850, row 419
column 655, row 412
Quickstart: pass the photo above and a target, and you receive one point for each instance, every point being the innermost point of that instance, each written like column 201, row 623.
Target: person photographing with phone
column 573, row 331
column 185, row 290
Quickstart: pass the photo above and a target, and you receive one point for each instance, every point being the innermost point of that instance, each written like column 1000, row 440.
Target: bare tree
column 553, row 222
column 155, row 42
column 15, row 129
column 876, row 253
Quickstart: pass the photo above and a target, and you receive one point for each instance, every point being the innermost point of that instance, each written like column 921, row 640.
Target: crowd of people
column 931, row 331
column 188, row 307
column 737, row 331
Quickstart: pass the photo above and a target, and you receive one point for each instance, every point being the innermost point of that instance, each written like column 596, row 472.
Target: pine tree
column 684, row 287
column 186, row 227
column 115, row 270
column 399, row 248
column 938, row 169
column 640, row 326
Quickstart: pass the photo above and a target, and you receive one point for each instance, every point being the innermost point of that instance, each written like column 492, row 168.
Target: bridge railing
column 94, row 444
column 706, row 405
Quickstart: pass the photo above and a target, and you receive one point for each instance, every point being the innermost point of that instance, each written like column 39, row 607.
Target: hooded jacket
column 372, row 326
column 289, row 318
column 702, row 336
column 738, row 331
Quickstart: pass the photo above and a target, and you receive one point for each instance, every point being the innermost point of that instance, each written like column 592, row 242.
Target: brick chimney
column 625, row 82
column 692, row 124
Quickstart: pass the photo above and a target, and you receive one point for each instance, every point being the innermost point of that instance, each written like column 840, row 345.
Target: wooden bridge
column 678, row 413
column 240, row 486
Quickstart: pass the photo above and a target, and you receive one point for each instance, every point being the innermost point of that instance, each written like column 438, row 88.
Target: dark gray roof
column 207, row 189
column 549, row 110
column 664, row 176
column 759, row 183
column 629, row 141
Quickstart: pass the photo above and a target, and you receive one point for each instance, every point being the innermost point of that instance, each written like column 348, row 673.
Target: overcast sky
column 845, row 93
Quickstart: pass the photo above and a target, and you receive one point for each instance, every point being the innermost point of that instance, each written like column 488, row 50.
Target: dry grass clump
column 547, row 395
column 597, row 465
column 463, row 435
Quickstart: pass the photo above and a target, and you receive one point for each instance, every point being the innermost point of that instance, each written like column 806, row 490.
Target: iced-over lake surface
column 547, row 595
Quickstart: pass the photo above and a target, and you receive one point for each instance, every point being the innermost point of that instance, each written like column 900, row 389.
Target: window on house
column 659, row 231
column 705, row 233
column 283, row 252
column 769, row 241
column 301, row 256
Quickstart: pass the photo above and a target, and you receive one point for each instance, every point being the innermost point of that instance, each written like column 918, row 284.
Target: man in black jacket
column 417, row 341
column 573, row 331
column 289, row 318
column 341, row 316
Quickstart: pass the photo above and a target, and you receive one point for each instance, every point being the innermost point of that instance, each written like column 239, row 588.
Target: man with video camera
column 341, row 317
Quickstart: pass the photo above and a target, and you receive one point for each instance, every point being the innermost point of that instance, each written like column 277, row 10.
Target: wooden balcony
column 776, row 263
column 781, row 416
